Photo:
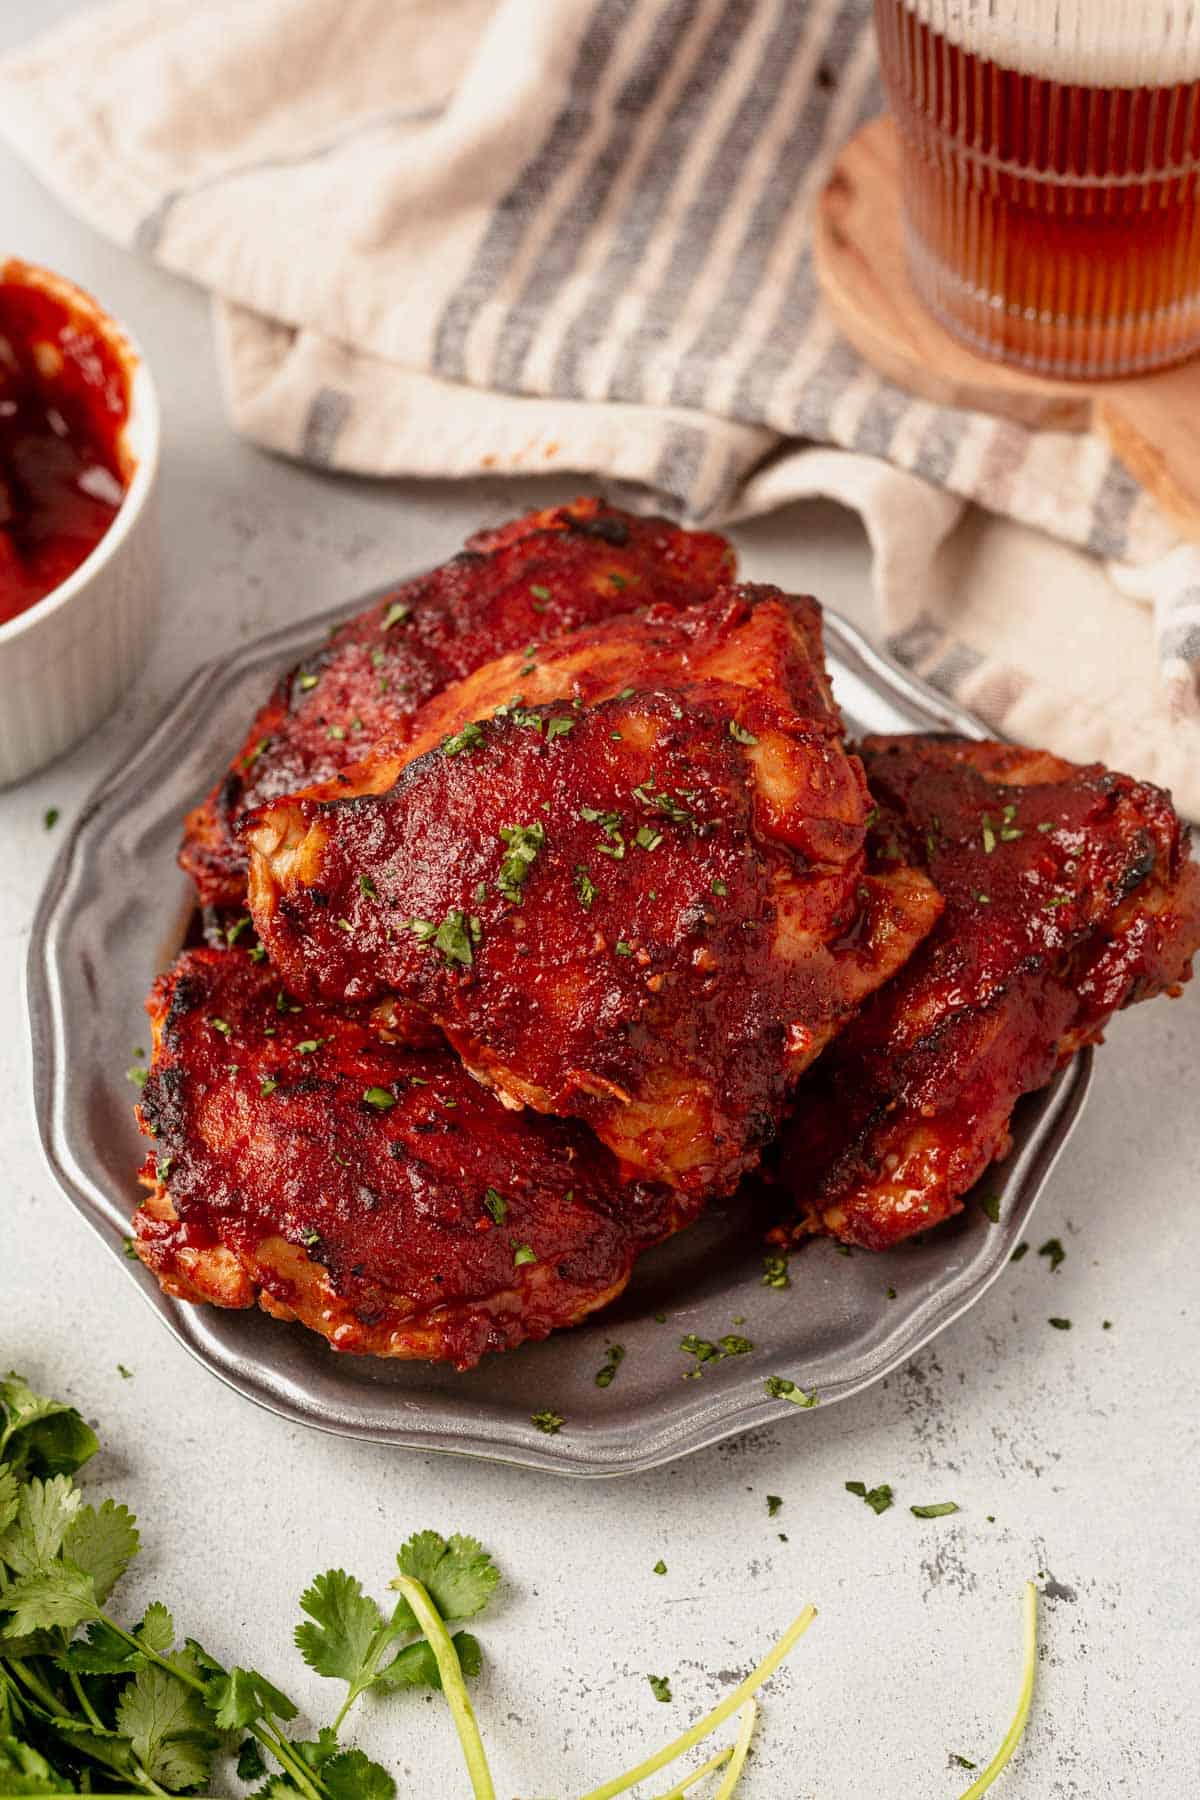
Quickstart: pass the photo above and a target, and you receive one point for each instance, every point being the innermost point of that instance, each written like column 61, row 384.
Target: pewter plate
column 115, row 911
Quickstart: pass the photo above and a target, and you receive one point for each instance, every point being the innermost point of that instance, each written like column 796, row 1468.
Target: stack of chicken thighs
column 546, row 904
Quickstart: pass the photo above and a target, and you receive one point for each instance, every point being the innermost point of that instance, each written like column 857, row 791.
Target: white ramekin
column 66, row 660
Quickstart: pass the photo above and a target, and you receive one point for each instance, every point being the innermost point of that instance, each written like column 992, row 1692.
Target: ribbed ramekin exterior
column 66, row 669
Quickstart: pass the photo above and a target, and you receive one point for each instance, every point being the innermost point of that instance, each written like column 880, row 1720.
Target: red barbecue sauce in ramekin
column 64, row 401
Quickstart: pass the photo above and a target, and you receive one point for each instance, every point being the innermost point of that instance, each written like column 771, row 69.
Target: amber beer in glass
column 1050, row 154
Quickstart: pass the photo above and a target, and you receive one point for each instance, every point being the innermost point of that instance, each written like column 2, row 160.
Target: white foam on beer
column 1097, row 43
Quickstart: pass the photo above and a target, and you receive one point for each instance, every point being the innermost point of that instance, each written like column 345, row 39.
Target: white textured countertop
column 1083, row 1445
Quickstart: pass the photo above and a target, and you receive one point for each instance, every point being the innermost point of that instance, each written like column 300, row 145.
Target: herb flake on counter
column 549, row 1422
column 774, row 1502
column 989, row 1206
column 877, row 1498
column 1060, row 1324
column 1021, row 1250
column 50, row 818
column 660, row 1567
column 775, row 1271
column 939, row 1510
column 1053, row 1250
column 660, row 1687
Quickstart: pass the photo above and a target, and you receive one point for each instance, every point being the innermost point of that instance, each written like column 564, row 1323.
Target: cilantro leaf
column 168, row 1728
column 344, row 1624
column 352, row 1776
column 877, row 1498
column 41, row 1436
column 55, row 1599
column 458, row 1573
column 9, row 1498
column 157, row 1629
column 416, row 1665
column 250, row 1765
column 102, row 1651
column 25, row 1771
column 102, row 1542
column 242, row 1697
column 34, row 1538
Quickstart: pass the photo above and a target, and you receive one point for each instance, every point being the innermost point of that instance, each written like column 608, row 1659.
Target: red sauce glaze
column 524, row 583
column 1068, row 893
column 400, row 1190
column 64, row 399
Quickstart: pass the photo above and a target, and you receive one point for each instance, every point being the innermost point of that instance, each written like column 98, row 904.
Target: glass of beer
column 1050, row 154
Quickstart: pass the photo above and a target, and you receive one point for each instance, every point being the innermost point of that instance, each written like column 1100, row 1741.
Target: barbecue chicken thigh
column 371, row 1190
column 517, row 585
column 642, row 903
column 1069, row 893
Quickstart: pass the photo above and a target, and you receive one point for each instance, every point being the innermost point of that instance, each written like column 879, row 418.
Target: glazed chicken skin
column 1069, row 894
column 518, row 585
column 372, row 1191
column 643, row 904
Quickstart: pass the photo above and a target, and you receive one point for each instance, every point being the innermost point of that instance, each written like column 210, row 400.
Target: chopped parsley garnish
column 309, row 1046
column 124, row 1373
column 660, row 1687
column 222, row 1026
column 983, row 899
column 775, row 1271
column 626, row 693
column 496, row 1204
column 1060, row 1324
column 1052, row 1248
column 233, row 932
column 647, row 838
column 337, row 732
column 939, row 1510
column 524, row 843
column 310, row 1238
column 252, row 756
column 556, row 728
column 780, row 1387
column 267, row 1088
column 989, row 836
column 623, row 947
column 50, row 818
column 774, row 1502
column 585, row 887
column 307, row 681
column 469, row 738
column 367, row 888
column 522, row 1254
column 452, row 937
column 989, row 1206
column 549, row 1422
column 610, row 825
column 381, row 1098
column 1056, row 902
column 540, row 593
column 614, row 1357
column 739, row 734
column 877, row 1498
column 396, row 614
column 720, row 889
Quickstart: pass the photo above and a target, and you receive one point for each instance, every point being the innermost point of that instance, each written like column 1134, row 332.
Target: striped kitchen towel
column 539, row 235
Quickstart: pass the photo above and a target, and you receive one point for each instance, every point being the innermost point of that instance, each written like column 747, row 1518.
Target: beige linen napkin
column 540, row 235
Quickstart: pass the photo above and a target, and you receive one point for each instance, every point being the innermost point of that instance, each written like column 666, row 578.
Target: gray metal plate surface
column 114, row 912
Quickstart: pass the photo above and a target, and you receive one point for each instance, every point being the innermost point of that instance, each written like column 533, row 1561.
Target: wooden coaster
column 1152, row 422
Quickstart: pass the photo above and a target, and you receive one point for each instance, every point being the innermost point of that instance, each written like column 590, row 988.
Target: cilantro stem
column 89, row 1710
column 1012, row 1736
column 741, row 1750
column 732, row 1701
column 689, row 1781
column 453, row 1685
